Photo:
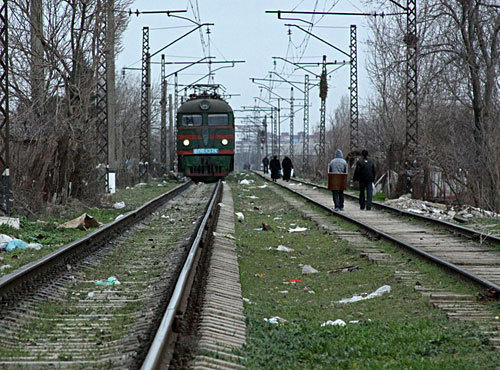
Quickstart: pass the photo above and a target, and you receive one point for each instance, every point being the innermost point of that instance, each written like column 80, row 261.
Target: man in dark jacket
column 365, row 174
column 265, row 163
column 287, row 168
column 275, row 167
column 338, row 165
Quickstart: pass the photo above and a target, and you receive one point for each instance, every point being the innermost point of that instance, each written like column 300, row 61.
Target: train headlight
column 224, row 142
column 185, row 142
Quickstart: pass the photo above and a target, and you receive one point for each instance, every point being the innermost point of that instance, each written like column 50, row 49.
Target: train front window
column 192, row 120
column 218, row 120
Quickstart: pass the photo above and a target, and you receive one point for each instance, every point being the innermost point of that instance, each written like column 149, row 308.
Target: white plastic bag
column 374, row 190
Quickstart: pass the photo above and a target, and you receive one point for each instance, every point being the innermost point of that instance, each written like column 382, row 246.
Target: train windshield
column 218, row 120
column 191, row 120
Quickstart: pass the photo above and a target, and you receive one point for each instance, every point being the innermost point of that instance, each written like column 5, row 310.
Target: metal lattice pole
column 145, row 108
column 163, row 119
column 411, row 80
column 323, row 88
column 291, row 123
column 4, row 108
column 305, row 143
column 275, row 130
column 172, row 139
column 354, row 126
column 101, row 95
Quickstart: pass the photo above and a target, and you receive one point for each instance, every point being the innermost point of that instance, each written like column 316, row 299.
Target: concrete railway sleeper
column 100, row 304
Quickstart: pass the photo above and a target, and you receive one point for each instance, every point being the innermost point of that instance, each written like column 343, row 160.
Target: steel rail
column 481, row 281
column 56, row 259
column 164, row 333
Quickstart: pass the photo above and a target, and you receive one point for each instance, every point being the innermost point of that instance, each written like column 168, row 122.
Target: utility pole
column 411, row 39
column 115, row 148
column 305, row 143
column 275, row 131
column 144, row 143
column 176, row 104
column 291, row 123
column 279, row 128
column 323, row 90
column 354, row 127
column 37, row 75
column 172, row 140
column 163, row 116
column 4, row 107
column 101, row 123
column 264, row 123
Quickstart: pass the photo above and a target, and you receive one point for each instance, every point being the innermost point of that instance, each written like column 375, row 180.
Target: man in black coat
column 275, row 167
column 265, row 164
column 365, row 174
column 287, row 168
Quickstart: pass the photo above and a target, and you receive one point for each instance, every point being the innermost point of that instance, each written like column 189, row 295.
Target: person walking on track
column 265, row 164
column 287, row 168
column 338, row 165
column 275, row 167
column 365, row 174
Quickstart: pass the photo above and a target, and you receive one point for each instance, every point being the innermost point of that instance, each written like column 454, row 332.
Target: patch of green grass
column 396, row 330
column 51, row 237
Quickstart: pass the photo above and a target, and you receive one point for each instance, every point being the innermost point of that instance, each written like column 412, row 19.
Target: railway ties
column 479, row 259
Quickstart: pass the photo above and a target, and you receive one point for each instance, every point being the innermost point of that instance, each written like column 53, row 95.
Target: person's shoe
column 337, row 209
column 362, row 208
column 368, row 209
column 341, row 209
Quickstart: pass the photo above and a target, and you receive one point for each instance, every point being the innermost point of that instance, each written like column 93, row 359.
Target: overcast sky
column 243, row 31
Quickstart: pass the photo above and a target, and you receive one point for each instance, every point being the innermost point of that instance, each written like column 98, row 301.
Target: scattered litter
column 35, row 246
column 297, row 229
column 111, row 281
column 354, row 322
column 245, row 182
column 344, row 269
column 262, row 186
column 118, row 217
column 83, row 222
column 275, row 320
column 4, row 240
column 308, row 269
column 90, row 295
column 240, row 216
column 16, row 243
column 276, row 218
column 282, row 248
column 11, row 221
column 221, row 204
column 252, row 197
column 259, row 275
column 293, row 281
column 140, row 184
column 119, row 205
column 283, row 291
column 309, row 290
column 5, row 267
column 383, row 289
column 338, row 322
column 247, row 301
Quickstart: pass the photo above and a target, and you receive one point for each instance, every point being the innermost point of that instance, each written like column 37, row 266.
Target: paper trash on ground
column 282, row 248
column 338, row 322
column 13, row 222
column 297, row 229
column 275, row 320
column 119, row 205
column 240, row 216
column 383, row 289
column 308, row 269
column 83, row 222
column 245, row 182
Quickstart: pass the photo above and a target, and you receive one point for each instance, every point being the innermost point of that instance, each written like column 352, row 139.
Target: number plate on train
column 206, row 151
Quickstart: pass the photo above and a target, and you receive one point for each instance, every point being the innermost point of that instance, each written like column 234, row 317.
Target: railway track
column 471, row 254
column 99, row 301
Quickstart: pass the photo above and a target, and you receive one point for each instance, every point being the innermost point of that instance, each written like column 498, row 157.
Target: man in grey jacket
column 338, row 165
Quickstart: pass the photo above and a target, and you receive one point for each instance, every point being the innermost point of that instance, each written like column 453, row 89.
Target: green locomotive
column 205, row 136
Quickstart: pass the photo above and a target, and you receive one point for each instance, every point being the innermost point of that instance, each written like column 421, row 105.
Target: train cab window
column 218, row 120
column 192, row 120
